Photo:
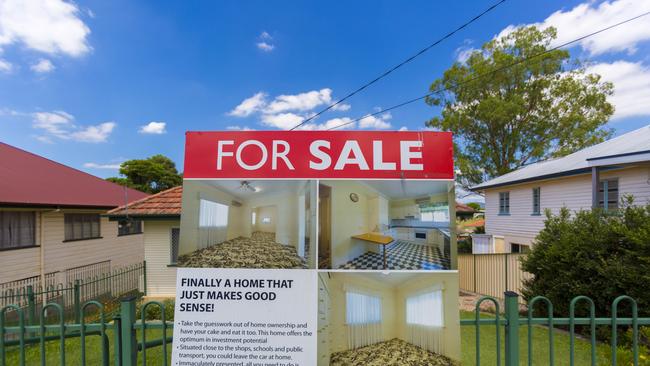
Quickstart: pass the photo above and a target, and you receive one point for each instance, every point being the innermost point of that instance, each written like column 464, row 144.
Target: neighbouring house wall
column 338, row 328
column 193, row 192
column 572, row 192
column 270, row 212
column 348, row 219
column 449, row 281
column 161, row 278
column 59, row 256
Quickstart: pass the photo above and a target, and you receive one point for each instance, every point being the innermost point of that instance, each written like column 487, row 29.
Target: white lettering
column 221, row 153
column 351, row 148
column 406, row 155
column 280, row 154
column 325, row 160
column 262, row 161
column 378, row 158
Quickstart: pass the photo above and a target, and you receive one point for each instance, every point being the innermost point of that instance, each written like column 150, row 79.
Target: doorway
column 324, row 226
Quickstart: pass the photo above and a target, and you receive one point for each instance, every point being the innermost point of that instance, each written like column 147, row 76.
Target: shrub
column 593, row 253
column 153, row 312
column 464, row 245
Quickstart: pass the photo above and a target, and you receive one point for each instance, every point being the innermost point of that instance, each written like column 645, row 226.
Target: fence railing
column 124, row 334
column 101, row 287
column 491, row 274
column 511, row 321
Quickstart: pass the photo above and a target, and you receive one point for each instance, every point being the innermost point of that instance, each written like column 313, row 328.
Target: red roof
column 461, row 207
column 32, row 180
column 165, row 203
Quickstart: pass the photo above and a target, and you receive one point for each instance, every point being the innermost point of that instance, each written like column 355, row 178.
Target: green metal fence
column 511, row 321
column 119, row 341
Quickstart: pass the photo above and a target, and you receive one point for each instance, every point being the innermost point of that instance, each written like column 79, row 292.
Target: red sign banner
column 318, row 155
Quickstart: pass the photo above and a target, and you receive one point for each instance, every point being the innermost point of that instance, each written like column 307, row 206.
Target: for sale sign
column 319, row 154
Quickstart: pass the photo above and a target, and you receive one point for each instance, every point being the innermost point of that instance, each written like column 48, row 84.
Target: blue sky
column 93, row 83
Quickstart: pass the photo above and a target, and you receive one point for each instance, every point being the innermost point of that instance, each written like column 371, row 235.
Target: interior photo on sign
column 389, row 318
column 248, row 224
column 386, row 224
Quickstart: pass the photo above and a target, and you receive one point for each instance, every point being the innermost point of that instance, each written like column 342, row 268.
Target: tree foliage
column 152, row 175
column 474, row 205
column 593, row 253
column 542, row 108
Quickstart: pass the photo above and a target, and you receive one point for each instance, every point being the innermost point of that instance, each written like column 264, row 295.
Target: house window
column 519, row 248
column 129, row 227
column 174, row 239
column 212, row 214
column 434, row 212
column 536, row 201
column 608, row 194
column 80, row 226
column 266, row 220
column 254, row 217
column 362, row 309
column 17, row 229
column 504, row 203
column 425, row 309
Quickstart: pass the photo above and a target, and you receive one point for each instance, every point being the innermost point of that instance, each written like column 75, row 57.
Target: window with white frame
column 425, row 309
column 434, row 212
column 362, row 308
column 504, row 203
column 212, row 214
column 608, row 194
column 537, row 201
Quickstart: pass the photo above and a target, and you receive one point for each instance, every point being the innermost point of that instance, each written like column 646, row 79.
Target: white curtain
column 363, row 319
column 425, row 321
column 213, row 223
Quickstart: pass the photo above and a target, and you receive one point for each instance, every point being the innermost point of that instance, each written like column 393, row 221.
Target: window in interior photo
column 80, row 226
column 213, row 214
column 425, row 309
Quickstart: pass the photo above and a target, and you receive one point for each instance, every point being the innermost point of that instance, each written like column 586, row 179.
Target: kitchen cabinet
column 401, row 212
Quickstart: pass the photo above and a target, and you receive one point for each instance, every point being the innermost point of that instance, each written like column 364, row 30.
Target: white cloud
column 463, row 53
column 300, row 102
column 43, row 66
column 239, row 128
column 60, row 125
column 265, row 42
column 5, row 66
column 283, row 121
column 589, row 16
column 341, row 107
column 249, row 105
column 376, row 122
column 344, row 123
column 48, row 26
column 101, row 166
column 403, row 128
column 153, row 128
column 631, row 86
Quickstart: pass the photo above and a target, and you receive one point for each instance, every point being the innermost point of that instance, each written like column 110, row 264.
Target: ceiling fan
column 245, row 185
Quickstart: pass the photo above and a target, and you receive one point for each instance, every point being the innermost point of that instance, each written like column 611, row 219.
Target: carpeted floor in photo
column 258, row 251
column 395, row 352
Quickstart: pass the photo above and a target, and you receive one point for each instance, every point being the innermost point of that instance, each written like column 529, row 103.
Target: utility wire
column 490, row 72
column 386, row 73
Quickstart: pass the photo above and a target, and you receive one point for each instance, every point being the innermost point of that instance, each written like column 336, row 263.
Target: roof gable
column 165, row 203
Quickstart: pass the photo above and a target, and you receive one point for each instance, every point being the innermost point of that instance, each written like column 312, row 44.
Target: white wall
column 161, row 278
column 286, row 214
column 270, row 212
column 59, row 256
column 572, row 192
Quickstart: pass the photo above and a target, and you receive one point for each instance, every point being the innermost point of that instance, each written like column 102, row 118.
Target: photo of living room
column 248, row 224
column 388, row 318
column 386, row 224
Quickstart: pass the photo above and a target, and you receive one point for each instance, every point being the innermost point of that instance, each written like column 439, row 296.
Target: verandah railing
column 511, row 321
column 122, row 340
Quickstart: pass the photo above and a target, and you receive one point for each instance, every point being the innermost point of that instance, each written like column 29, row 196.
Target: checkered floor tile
column 402, row 255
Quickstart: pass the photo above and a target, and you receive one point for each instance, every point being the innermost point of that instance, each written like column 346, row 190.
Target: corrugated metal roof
column 165, row 203
column 27, row 179
column 632, row 142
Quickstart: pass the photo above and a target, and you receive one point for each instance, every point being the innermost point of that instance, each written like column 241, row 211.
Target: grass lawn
column 93, row 351
column 540, row 345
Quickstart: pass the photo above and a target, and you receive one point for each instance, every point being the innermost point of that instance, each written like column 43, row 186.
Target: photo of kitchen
column 386, row 225
column 248, row 224
column 388, row 318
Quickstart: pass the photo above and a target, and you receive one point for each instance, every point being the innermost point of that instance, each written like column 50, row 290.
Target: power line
column 386, row 73
column 490, row 72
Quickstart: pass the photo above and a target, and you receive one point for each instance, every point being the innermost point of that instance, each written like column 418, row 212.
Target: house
column 464, row 212
column 388, row 318
column 248, row 223
column 51, row 228
column 160, row 215
column 597, row 176
column 386, row 224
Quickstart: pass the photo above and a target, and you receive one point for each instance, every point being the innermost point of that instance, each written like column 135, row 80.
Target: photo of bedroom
column 388, row 318
column 386, row 225
column 248, row 224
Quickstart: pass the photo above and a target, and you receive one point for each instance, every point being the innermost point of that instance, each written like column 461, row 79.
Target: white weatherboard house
column 597, row 176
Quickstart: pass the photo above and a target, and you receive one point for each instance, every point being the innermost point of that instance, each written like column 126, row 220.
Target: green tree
column 151, row 175
column 542, row 108
column 474, row 205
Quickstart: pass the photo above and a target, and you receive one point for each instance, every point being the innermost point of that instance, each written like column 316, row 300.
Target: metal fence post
column 77, row 301
column 512, row 328
column 144, row 271
column 31, row 305
column 129, row 342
